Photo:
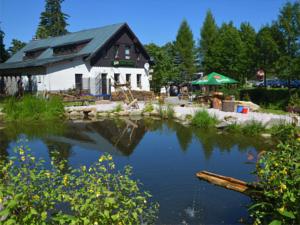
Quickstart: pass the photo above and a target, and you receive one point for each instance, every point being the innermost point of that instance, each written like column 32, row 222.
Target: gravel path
column 181, row 112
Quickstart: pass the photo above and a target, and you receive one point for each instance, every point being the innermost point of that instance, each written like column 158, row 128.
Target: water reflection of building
column 118, row 138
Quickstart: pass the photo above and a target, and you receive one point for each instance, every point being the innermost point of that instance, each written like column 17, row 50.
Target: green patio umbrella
column 214, row 79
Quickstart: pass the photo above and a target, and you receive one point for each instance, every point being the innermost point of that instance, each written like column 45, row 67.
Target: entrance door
column 78, row 82
column 104, row 83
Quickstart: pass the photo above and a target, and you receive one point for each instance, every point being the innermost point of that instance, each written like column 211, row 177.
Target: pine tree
column 53, row 21
column 209, row 33
column 185, row 48
column 16, row 45
column 3, row 53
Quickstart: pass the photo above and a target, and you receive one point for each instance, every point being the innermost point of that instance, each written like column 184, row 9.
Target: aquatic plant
column 148, row 108
column 253, row 128
column 30, row 193
column 166, row 112
column 33, row 108
column 278, row 173
column 203, row 119
column 284, row 131
column 118, row 108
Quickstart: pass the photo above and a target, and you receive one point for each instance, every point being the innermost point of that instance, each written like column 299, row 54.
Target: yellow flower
column 36, row 197
column 47, row 174
column 1, row 200
column 21, row 151
column 96, row 223
column 32, row 158
column 97, row 194
column 102, row 158
column 65, row 180
column 23, row 158
column 281, row 210
column 83, row 168
column 109, row 157
column 282, row 186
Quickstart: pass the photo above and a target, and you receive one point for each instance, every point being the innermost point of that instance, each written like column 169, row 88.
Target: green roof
column 98, row 37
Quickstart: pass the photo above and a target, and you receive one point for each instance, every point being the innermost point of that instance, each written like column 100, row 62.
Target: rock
column 230, row 119
column 75, row 114
column 92, row 114
column 251, row 105
column 222, row 125
column 266, row 135
column 123, row 113
column 155, row 114
column 135, row 113
column 102, row 114
column 87, row 110
column 146, row 114
column 274, row 122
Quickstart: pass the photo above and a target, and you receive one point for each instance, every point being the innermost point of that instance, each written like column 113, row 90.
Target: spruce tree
column 209, row 33
column 53, row 21
column 248, row 37
column 3, row 53
column 185, row 48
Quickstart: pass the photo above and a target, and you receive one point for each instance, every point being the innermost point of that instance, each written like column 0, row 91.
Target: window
column 127, row 51
column 128, row 79
column 117, row 78
column 117, row 51
column 139, row 80
column 78, row 82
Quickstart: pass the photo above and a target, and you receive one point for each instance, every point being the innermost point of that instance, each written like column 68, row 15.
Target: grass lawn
column 273, row 111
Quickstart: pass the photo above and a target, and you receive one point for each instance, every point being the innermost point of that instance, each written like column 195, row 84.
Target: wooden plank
column 226, row 182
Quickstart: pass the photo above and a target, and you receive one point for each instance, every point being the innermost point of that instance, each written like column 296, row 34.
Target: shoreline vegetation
column 278, row 169
column 32, row 193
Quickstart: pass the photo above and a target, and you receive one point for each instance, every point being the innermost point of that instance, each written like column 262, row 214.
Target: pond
column 165, row 157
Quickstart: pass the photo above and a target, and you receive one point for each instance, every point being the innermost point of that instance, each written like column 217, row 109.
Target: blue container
column 239, row 109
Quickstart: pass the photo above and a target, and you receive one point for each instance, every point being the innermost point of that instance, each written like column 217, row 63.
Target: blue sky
column 153, row 20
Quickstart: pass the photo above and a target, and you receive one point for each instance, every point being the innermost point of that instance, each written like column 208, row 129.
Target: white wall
column 61, row 76
column 110, row 71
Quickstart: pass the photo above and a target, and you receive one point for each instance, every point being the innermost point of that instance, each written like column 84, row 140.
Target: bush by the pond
column 33, row 108
column 202, row 119
column 32, row 194
column 166, row 112
column 276, row 98
column 278, row 172
column 251, row 128
column 283, row 132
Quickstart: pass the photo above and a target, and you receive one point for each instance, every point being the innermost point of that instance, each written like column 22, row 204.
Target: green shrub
column 118, row 108
column 170, row 111
column 294, row 100
column 236, row 128
column 32, row 194
column 283, row 132
column 278, row 97
column 166, row 112
column 148, row 108
column 202, row 119
column 33, row 108
column 253, row 128
column 278, row 173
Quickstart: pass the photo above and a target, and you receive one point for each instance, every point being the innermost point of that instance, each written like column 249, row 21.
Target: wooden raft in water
column 226, row 182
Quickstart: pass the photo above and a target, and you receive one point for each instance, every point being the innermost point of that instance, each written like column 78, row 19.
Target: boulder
column 266, row 135
column 146, row 114
column 135, row 113
column 252, row 106
column 123, row 113
column 155, row 114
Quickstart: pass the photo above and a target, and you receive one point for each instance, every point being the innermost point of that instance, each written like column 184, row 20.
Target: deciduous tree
column 3, row 53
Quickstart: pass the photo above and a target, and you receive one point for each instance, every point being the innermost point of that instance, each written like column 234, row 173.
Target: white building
column 92, row 60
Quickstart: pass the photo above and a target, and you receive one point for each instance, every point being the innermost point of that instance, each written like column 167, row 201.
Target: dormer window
column 33, row 54
column 70, row 48
column 127, row 51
